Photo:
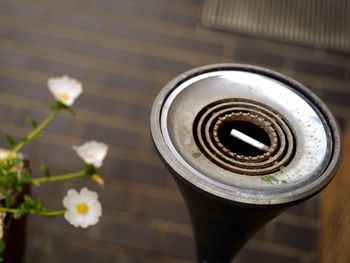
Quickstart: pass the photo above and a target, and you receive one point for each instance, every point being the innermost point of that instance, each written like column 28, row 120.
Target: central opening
column 240, row 147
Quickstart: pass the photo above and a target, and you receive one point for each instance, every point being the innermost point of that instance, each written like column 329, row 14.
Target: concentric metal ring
column 208, row 121
column 252, row 118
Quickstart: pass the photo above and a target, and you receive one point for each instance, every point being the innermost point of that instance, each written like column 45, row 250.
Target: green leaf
column 26, row 207
column 26, row 177
column 11, row 141
column 29, row 201
column 17, row 214
column 2, row 246
column 57, row 105
column 46, row 171
column 39, row 205
column 32, row 122
column 18, row 187
column 8, row 199
column 11, row 162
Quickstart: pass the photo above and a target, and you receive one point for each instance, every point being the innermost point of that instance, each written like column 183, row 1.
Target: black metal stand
column 220, row 228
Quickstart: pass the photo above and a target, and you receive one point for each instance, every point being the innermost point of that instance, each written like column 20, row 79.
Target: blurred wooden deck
column 335, row 213
column 124, row 52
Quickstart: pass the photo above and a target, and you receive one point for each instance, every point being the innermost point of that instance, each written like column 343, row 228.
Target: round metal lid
column 245, row 134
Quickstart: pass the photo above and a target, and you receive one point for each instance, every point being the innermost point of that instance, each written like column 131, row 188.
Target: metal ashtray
column 245, row 135
column 194, row 114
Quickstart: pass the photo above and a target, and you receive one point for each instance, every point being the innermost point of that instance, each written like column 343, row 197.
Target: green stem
column 41, row 213
column 51, row 213
column 61, row 177
column 7, row 210
column 34, row 132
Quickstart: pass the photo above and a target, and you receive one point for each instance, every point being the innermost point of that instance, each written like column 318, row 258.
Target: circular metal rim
column 300, row 193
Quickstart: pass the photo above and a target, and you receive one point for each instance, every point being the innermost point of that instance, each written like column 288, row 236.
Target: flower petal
column 65, row 89
column 92, row 152
column 78, row 217
column 70, row 199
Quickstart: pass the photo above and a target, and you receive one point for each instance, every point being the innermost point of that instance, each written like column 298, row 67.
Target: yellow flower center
column 90, row 156
column 82, row 208
column 64, row 96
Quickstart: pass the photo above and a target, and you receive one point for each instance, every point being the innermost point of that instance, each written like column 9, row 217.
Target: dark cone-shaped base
column 222, row 228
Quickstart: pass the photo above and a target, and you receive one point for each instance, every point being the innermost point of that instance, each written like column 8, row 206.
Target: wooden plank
column 335, row 213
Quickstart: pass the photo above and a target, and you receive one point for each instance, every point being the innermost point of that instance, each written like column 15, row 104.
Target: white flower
column 4, row 153
column 83, row 209
column 92, row 152
column 65, row 89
